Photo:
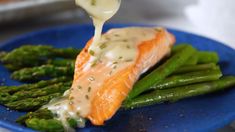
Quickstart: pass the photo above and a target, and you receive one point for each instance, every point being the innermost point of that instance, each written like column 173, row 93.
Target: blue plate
column 204, row 113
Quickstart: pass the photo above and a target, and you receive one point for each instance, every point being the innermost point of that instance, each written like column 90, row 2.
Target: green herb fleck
column 102, row 46
column 115, row 62
column 115, row 67
column 71, row 98
column 87, row 97
column 79, row 87
column 120, row 57
column 78, row 113
column 92, row 52
column 107, row 38
column 89, row 89
column 128, row 46
column 93, row 2
column 93, row 64
column 116, row 35
column 129, row 60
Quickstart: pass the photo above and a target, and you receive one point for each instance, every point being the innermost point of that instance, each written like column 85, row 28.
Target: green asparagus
column 31, row 103
column 174, row 94
column 36, row 73
column 48, row 125
column 162, row 71
column 207, row 57
column 193, row 60
column 30, row 55
column 178, row 48
column 188, row 78
column 193, row 68
column 40, row 84
column 4, row 97
column 41, row 113
column 61, row 62
column 70, row 53
column 55, row 88
column 202, row 56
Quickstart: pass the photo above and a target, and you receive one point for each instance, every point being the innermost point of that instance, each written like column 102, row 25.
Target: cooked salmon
column 98, row 91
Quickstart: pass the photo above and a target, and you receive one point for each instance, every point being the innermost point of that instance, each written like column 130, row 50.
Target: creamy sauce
column 100, row 11
column 61, row 110
column 119, row 52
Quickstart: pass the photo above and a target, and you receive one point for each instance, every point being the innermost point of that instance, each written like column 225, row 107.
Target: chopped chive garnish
column 102, row 46
column 70, row 98
column 116, row 35
column 128, row 46
column 93, row 2
column 89, row 89
column 93, row 64
column 92, row 52
column 87, row 97
column 129, row 60
column 79, row 87
column 115, row 62
column 78, row 113
column 120, row 57
column 107, row 38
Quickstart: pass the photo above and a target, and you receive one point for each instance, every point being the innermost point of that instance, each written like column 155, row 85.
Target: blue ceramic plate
column 202, row 113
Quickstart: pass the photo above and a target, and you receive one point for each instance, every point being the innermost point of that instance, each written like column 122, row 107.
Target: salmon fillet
column 108, row 96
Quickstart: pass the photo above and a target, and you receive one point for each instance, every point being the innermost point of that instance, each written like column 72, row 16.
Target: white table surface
column 210, row 18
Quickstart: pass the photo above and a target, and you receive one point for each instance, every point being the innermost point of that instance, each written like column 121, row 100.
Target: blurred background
column 211, row 18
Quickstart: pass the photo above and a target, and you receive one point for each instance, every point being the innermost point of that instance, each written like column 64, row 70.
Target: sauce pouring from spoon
column 100, row 11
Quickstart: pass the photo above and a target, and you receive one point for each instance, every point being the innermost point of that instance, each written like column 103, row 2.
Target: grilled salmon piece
column 98, row 92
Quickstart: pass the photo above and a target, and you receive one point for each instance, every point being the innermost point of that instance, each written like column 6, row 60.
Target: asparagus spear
column 40, row 84
column 31, row 103
column 70, row 53
column 62, row 62
column 188, row 78
column 4, row 97
column 179, row 47
column 207, row 57
column 55, row 88
column 41, row 113
column 202, row 56
column 35, row 73
column 45, row 116
column 162, row 71
column 193, row 60
column 29, row 55
column 193, row 68
column 48, row 125
column 174, row 94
